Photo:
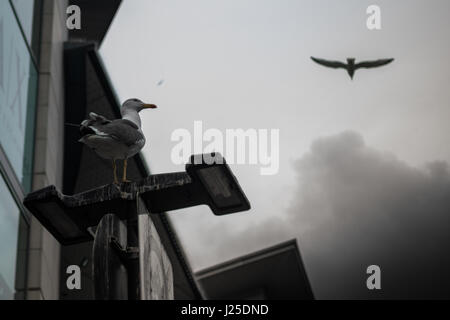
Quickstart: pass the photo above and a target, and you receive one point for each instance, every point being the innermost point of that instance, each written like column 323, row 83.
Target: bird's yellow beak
column 149, row 106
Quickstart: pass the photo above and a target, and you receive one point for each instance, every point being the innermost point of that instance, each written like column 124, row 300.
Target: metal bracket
column 125, row 254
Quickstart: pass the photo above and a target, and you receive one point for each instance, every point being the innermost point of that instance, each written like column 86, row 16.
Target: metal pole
column 133, row 264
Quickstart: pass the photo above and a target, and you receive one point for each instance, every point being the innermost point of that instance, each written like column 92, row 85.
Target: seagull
column 116, row 139
column 350, row 66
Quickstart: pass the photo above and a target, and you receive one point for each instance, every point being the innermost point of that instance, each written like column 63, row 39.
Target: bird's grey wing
column 93, row 121
column 121, row 130
column 373, row 64
column 330, row 64
column 98, row 118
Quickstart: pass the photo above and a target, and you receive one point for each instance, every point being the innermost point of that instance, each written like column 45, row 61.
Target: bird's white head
column 132, row 107
column 135, row 105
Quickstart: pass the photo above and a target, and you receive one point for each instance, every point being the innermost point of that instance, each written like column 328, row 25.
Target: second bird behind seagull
column 116, row 139
column 351, row 66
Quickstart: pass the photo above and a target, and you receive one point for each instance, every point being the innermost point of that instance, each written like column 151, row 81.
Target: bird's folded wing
column 331, row 64
column 98, row 118
column 94, row 120
column 121, row 130
column 373, row 64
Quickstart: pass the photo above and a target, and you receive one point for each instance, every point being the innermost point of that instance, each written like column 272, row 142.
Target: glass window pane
column 9, row 228
column 18, row 83
column 25, row 10
column 21, row 260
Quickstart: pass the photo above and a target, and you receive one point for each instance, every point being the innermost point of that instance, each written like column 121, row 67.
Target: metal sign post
column 127, row 250
column 109, row 267
column 156, row 277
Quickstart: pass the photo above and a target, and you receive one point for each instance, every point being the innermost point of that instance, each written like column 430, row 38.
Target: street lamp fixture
column 69, row 218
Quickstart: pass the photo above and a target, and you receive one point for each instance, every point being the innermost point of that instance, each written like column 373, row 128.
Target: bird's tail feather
column 72, row 124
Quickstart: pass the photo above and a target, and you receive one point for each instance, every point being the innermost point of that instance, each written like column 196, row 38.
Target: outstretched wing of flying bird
column 373, row 64
column 330, row 64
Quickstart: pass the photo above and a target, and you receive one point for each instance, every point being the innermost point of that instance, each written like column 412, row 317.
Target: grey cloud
column 356, row 206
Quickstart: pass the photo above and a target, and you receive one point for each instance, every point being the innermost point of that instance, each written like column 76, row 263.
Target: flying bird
column 117, row 139
column 351, row 66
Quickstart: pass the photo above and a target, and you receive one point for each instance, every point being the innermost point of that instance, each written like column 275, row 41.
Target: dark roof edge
column 251, row 257
column 98, row 23
column 257, row 256
column 109, row 23
column 305, row 272
column 143, row 168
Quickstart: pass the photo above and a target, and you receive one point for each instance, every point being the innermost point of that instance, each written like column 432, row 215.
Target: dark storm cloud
column 359, row 206
column 356, row 206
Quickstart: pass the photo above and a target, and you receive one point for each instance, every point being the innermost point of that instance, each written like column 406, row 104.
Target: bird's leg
column 116, row 181
column 125, row 164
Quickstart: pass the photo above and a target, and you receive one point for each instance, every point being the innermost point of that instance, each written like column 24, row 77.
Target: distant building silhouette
column 273, row 273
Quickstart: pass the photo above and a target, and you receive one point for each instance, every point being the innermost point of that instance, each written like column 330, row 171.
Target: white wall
column 44, row 256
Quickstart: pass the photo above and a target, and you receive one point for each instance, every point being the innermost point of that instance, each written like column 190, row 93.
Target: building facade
column 20, row 73
column 49, row 76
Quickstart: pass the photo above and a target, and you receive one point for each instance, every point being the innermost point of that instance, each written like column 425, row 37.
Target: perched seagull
column 350, row 66
column 116, row 139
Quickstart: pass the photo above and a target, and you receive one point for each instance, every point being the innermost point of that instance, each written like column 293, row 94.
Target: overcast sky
column 363, row 163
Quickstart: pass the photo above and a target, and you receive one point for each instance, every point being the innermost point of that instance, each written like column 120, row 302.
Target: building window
column 29, row 13
column 19, row 45
column 25, row 10
column 9, row 230
column 18, row 90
